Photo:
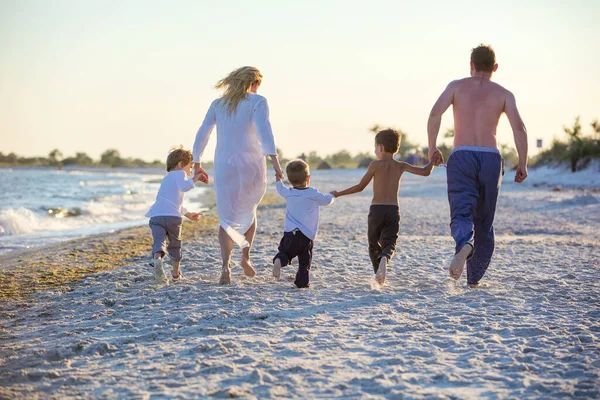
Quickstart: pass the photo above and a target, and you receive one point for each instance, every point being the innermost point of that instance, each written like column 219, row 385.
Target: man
column 475, row 168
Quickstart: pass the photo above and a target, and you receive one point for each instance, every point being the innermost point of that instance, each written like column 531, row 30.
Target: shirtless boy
column 475, row 167
column 384, row 214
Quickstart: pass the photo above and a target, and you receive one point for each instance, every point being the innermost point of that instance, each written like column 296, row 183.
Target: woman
column 244, row 138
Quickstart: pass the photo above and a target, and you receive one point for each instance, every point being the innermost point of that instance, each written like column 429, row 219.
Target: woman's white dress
column 244, row 138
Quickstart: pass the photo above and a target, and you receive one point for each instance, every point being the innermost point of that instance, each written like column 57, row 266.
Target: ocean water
column 40, row 206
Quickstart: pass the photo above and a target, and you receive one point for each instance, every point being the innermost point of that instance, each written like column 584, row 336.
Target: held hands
column 194, row 216
column 436, row 156
column 334, row 193
column 277, row 168
column 200, row 174
column 521, row 174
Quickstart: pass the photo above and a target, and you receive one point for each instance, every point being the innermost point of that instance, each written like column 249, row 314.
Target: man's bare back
column 477, row 107
column 477, row 104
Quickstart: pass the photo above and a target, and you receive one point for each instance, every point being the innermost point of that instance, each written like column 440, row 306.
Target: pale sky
column 138, row 76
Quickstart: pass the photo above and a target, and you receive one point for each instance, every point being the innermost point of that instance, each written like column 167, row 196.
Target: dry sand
column 531, row 331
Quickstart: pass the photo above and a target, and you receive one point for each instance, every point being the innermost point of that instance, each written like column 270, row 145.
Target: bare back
column 477, row 106
column 386, row 181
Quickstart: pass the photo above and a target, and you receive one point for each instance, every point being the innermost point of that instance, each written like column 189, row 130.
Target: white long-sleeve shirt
column 302, row 208
column 170, row 196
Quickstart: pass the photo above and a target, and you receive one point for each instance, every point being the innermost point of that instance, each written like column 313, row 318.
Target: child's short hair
column 389, row 139
column 176, row 155
column 297, row 171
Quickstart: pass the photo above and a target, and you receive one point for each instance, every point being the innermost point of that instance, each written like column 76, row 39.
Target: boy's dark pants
column 293, row 244
column 166, row 228
column 384, row 223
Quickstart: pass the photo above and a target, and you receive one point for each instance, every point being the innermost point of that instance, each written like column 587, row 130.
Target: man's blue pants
column 474, row 177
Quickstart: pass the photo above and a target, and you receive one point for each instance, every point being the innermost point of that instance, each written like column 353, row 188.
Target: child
column 301, row 221
column 384, row 215
column 165, row 214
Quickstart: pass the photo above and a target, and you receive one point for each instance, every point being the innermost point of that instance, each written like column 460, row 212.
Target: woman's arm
column 264, row 132
column 277, row 167
column 361, row 185
column 202, row 137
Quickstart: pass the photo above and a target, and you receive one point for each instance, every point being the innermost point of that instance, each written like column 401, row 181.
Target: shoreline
column 58, row 266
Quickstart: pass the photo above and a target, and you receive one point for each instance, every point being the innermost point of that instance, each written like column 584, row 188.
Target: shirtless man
column 475, row 167
column 384, row 215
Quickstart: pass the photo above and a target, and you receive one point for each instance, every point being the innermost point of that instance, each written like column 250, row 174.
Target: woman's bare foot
column 225, row 276
column 248, row 268
column 381, row 271
column 277, row 268
column 458, row 262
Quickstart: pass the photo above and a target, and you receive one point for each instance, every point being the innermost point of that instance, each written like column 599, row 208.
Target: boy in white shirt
column 301, row 221
column 166, row 213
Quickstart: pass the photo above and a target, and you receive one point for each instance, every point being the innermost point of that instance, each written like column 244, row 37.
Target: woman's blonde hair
column 236, row 86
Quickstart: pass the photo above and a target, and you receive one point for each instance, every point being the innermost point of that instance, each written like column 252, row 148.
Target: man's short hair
column 177, row 155
column 297, row 171
column 389, row 139
column 483, row 58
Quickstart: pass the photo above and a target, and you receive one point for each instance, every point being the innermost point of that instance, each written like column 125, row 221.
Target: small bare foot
column 381, row 271
column 458, row 262
column 248, row 268
column 159, row 272
column 225, row 277
column 277, row 268
column 176, row 274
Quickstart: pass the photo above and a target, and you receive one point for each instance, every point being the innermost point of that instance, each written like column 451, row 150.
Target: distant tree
column 111, row 157
column 55, row 157
column 596, row 127
column 12, row 158
column 340, row 159
column 79, row 159
column 575, row 143
column 313, row 159
column 509, row 154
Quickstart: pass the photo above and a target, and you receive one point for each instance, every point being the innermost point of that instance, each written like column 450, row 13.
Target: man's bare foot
column 458, row 262
column 473, row 285
column 248, row 268
column 381, row 271
column 225, row 276
column 277, row 268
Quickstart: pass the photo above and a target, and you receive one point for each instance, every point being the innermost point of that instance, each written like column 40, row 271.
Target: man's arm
column 435, row 116
column 361, row 185
column 520, row 134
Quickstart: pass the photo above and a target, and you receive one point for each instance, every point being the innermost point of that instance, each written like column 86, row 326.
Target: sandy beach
column 532, row 330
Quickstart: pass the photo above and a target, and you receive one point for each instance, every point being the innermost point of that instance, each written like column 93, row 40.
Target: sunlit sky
column 138, row 76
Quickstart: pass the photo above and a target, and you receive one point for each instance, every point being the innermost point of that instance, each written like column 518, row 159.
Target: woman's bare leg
column 226, row 248
column 246, row 264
